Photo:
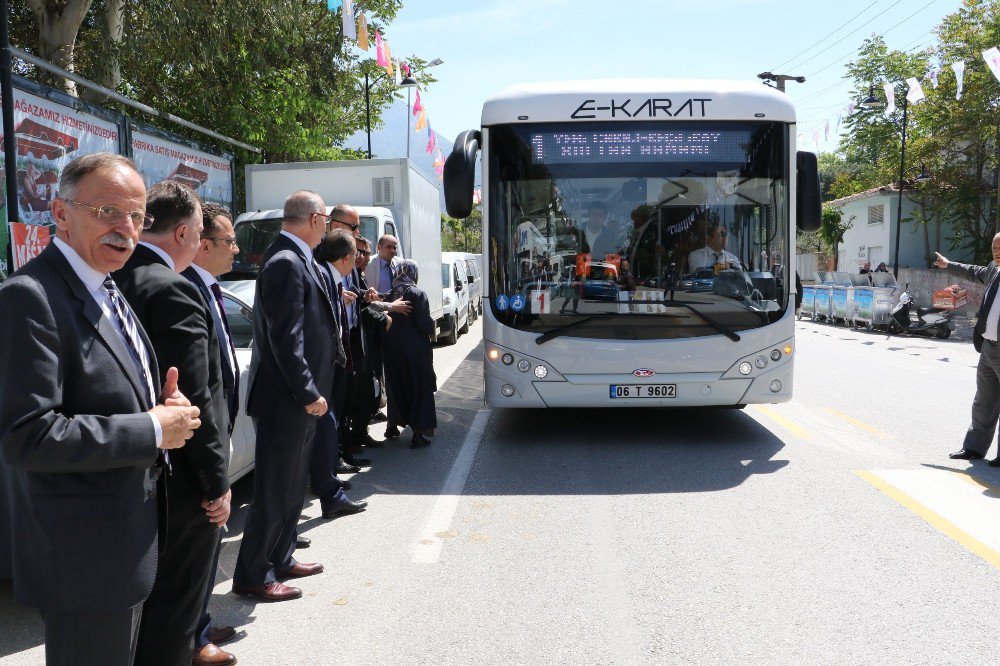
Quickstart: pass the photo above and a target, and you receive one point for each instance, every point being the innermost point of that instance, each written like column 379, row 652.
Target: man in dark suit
column 291, row 373
column 181, row 329
column 379, row 273
column 986, row 404
column 79, row 425
column 334, row 254
column 215, row 256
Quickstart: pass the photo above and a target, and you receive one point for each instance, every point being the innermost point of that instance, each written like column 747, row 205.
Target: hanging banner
column 347, row 18
column 208, row 175
column 992, row 58
column 915, row 92
column 48, row 137
column 890, row 98
column 959, row 69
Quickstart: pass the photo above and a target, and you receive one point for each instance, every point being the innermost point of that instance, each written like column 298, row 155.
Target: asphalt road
column 833, row 529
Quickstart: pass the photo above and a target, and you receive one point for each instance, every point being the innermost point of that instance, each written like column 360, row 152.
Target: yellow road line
column 860, row 425
column 784, row 422
column 942, row 524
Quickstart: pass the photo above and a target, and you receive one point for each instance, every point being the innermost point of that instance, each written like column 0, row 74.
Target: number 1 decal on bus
column 541, row 301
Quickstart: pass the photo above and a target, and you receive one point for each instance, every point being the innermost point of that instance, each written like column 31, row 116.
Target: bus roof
column 637, row 99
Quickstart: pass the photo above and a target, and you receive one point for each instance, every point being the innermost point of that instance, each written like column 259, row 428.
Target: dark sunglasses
column 352, row 227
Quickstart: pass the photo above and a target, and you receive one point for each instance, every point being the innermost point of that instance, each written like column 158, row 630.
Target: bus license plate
column 644, row 390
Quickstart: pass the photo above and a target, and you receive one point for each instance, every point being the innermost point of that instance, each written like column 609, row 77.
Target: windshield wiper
column 721, row 328
column 556, row 332
column 562, row 330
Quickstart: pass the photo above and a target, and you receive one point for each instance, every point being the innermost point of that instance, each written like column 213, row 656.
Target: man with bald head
column 986, row 404
column 379, row 273
column 290, row 377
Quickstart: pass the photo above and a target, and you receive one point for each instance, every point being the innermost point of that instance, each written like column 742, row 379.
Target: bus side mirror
column 808, row 208
column 460, row 174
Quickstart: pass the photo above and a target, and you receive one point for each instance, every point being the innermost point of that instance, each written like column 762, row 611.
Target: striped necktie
column 129, row 329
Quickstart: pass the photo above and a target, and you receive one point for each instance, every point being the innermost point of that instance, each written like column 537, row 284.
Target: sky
column 488, row 45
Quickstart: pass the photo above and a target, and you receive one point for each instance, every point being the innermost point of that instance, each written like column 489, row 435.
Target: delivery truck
column 391, row 196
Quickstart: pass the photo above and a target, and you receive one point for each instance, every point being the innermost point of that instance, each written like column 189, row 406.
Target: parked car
column 474, row 275
column 455, row 296
column 238, row 297
column 601, row 282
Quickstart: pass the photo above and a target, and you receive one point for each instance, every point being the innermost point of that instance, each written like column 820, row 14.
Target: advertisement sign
column 864, row 304
column 28, row 241
column 48, row 137
column 208, row 175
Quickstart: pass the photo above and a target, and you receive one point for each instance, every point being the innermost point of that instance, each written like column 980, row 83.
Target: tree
column 462, row 235
column 831, row 230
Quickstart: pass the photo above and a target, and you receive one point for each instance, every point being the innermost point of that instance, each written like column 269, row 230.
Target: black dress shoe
column 419, row 441
column 344, row 509
column 356, row 461
column 344, row 468
column 345, row 484
column 302, row 542
column 966, row 454
column 391, row 432
column 379, row 418
column 995, row 462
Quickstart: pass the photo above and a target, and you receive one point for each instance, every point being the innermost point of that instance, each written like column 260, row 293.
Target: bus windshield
column 638, row 227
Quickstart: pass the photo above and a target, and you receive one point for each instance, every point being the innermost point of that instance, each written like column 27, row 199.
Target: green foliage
column 832, row 229
column 957, row 140
column 459, row 235
column 276, row 74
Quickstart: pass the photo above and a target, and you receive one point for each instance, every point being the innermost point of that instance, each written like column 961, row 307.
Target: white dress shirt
column 993, row 316
column 93, row 280
column 209, row 280
column 706, row 257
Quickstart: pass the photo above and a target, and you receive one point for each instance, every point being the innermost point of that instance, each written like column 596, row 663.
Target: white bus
column 638, row 238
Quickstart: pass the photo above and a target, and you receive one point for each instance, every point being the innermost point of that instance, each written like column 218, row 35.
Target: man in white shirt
column 83, row 421
column 216, row 252
column 714, row 252
column 986, row 404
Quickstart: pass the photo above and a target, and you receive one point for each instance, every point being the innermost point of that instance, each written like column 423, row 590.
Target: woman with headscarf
column 409, row 361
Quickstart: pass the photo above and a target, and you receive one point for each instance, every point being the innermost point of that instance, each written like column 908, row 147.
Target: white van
column 474, row 278
column 455, row 296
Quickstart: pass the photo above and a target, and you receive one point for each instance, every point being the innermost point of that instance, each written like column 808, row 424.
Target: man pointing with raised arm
column 83, row 422
column 986, row 404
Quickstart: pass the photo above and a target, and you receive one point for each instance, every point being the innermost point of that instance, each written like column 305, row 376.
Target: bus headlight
column 493, row 354
column 761, row 362
column 775, row 386
column 745, row 368
column 507, row 359
column 775, row 355
column 524, row 365
column 507, row 390
column 541, row 371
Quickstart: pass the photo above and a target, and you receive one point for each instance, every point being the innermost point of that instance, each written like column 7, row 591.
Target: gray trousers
column 986, row 405
column 91, row 639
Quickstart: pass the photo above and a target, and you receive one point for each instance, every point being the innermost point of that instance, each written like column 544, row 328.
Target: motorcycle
column 929, row 321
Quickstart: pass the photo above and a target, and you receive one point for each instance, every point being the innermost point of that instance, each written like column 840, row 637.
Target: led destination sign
column 674, row 145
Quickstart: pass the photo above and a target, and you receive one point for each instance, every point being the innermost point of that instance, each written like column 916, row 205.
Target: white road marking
column 427, row 550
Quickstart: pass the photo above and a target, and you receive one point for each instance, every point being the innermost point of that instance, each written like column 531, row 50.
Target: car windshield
column 634, row 218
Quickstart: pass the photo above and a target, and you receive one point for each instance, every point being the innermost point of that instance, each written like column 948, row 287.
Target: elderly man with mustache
column 85, row 424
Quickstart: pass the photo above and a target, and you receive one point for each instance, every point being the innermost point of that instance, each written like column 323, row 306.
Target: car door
column 239, row 316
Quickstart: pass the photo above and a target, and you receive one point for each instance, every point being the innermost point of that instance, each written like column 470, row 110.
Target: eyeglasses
column 231, row 242
column 352, row 227
column 138, row 218
column 364, row 253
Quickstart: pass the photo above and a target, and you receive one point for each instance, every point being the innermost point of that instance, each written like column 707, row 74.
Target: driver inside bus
column 714, row 255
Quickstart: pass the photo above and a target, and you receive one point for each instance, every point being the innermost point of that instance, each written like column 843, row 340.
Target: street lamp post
column 873, row 102
column 432, row 63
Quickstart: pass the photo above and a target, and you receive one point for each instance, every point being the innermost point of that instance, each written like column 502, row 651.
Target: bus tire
column 465, row 326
